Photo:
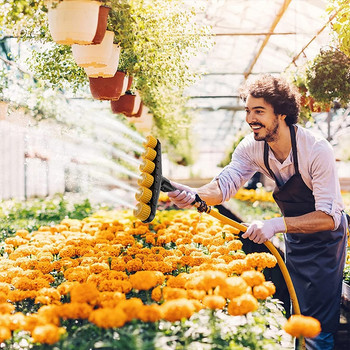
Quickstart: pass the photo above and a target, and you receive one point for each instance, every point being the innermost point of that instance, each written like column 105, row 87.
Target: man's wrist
column 279, row 225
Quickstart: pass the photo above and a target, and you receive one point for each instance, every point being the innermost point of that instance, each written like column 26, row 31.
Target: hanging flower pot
column 94, row 55
column 101, row 24
column 73, row 21
column 127, row 104
column 109, row 70
column 109, row 88
column 143, row 120
column 130, row 79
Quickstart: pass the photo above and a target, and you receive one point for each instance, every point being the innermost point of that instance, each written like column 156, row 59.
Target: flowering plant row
column 109, row 281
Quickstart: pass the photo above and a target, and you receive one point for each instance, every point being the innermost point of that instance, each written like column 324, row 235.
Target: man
column 307, row 193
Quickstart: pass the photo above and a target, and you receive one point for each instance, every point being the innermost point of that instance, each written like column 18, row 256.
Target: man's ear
column 282, row 116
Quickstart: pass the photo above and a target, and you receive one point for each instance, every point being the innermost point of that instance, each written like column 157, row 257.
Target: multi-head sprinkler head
column 151, row 181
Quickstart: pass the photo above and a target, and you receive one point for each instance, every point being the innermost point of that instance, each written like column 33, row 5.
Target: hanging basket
column 94, row 55
column 73, row 21
column 101, row 24
column 109, row 88
column 127, row 104
column 109, row 70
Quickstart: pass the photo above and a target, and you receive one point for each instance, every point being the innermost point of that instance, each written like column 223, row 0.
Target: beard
column 267, row 134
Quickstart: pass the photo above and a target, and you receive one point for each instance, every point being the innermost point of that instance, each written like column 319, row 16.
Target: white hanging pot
column 109, row 70
column 94, row 55
column 73, row 21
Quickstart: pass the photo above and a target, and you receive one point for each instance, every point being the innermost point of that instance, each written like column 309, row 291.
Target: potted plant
column 128, row 104
column 328, row 76
column 109, row 88
column 97, row 55
column 101, row 24
column 73, row 21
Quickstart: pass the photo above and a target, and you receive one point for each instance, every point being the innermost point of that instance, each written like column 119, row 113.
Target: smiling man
column 307, row 192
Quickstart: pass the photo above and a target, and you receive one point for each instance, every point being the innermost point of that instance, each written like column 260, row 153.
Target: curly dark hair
column 281, row 95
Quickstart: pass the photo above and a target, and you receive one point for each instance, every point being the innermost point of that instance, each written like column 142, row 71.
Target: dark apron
column 315, row 261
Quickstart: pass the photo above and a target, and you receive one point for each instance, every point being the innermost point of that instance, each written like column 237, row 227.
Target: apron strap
column 294, row 150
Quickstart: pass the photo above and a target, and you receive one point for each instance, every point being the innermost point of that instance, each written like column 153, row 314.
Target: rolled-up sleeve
column 325, row 182
column 235, row 174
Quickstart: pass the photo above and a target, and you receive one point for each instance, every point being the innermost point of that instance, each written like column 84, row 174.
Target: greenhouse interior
column 139, row 209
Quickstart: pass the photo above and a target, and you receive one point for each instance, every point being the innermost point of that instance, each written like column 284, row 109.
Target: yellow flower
column 178, row 281
column 238, row 266
column 47, row 334
column 98, row 267
column 74, row 310
column 110, row 299
column 84, row 293
column 261, row 260
column 6, row 308
column 261, row 292
column 235, row 245
column 214, row 301
column 150, row 313
column 270, row 286
column 253, row 278
column 174, row 293
column 157, row 294
column 144, row 280
column 5, row 334
column 242, row 305
column 299, row 325
column 175, row 310
column 233, row 287
column 131, row 307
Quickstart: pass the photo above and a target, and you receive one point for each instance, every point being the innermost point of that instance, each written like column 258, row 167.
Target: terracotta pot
column 139, row 112
column 127, row 104
column 108, row 88
column 73, row 21
column 129, row 82
column 144, row 123
column 101, row 24
column 109, row 70
column 94, row 55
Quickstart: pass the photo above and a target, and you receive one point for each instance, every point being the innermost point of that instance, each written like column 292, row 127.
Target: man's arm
column 309, row 223
column 211, row 193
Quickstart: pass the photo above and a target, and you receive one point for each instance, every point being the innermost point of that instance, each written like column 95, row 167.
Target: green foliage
column 341, row 23
column 32, row 214
column 328, row 76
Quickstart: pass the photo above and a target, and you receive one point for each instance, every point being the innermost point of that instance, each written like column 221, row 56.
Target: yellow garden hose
column 272, row 249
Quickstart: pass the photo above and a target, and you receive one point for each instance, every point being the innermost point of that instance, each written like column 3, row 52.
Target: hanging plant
column 341, row 23
column 328, row 76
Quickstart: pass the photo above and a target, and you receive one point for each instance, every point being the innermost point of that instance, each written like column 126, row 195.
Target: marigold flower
column 238, row 266
column 50, row 314
column 261, row 292
column 242, row 305
column 174, row 293
column 253, row 277
column 196, row 294
column 144, row 280
column 84, row 293
column 178, row 281
column 65, row 287
column 110, row 299
column 150, row 313
column 5, row 287
column 233, row 287
column 270, row 286
column 261, row 260
column 74, row 310
column 157, row 294
column 47, row 334
column 5, row 334
column 52, row 294
column 235, row 245
column 299, row 325
column 17, row 321
column 175, row 310
column 134, row 265
column 67, row 252
column 98, row 267
column 19, row 295
column 6, row 308
column 214, row 301
column 131, row 307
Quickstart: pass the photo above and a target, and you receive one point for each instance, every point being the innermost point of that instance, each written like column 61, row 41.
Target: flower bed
column 110, row 282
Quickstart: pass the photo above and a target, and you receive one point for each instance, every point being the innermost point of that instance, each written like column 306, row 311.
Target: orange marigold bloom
column 261, row 260
column 299, row 325
column 242, row 305
column 17, row 321
column 67, row 252
column 261, row 292
column 79, row 274
column 6, row 308
column 5, row 334
column 98, row 267
column 235, row 245
column 150, row 313
column 270, row 286
column 174, row 293
column 144, row 280
column 118, row 264
column 115, row 286
column 157, row 294
column 19, row 295
column 196, row 294
column 253, row 278
column 50, row 314
column 74, row 311
column 84, row 293
column 5, row 287
column 131, row 307
column 175, row 310
column 238, row 266
column 233, row 287
column 52, row 294
column 65, row 287
column 214, row 301
column 110, row 299
column 134, row 265
column 47, row 334
column 178, row 281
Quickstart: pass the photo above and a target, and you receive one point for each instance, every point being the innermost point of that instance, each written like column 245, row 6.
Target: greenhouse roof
column 251, row 37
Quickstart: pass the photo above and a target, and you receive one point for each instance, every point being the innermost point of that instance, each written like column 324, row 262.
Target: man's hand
column 260, row 231
column 183, row 196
